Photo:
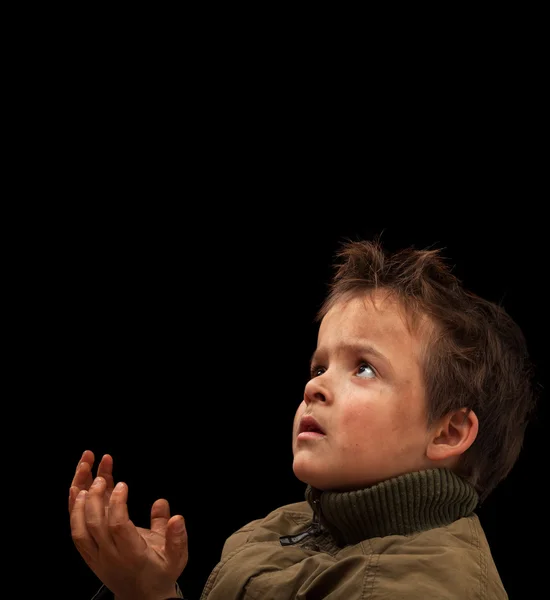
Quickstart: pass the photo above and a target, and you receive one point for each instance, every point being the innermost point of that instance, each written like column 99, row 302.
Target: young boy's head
column 411, row 372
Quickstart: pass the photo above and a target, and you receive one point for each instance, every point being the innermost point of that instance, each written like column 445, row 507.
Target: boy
column 415, row 410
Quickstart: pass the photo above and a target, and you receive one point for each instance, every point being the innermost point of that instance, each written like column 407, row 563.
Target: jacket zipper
column 314, row 529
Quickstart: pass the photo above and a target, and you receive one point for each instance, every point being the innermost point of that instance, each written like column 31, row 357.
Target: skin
column 372, row 409
column 133, row 562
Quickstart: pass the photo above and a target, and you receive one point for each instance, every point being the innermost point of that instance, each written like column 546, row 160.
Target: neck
column 401, row 505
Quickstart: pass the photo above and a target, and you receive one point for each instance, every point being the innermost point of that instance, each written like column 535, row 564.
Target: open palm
column 133, row 562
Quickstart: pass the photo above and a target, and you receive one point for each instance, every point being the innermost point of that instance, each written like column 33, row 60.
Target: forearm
column 172, row 595
column 104, row 594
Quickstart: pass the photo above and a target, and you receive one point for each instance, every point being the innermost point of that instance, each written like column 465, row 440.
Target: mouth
column 309, row 425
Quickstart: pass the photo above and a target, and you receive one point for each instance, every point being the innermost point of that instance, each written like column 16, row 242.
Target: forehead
column 376, row 316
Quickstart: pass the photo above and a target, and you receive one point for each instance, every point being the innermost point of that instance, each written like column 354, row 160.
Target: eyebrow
column 355, row 348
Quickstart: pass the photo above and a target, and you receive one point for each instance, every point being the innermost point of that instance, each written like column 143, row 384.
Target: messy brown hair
column 476, row 355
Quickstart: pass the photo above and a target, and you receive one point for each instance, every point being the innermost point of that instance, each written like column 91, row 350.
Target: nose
column 316, row 390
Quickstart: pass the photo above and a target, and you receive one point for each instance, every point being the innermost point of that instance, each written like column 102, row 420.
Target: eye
column 365, row 371
column 316, row 370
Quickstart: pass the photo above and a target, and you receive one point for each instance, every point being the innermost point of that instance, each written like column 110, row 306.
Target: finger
column 82, row 539
column 176, row 545
column 87, row 457
column 105, row 470
column 73, row 493
column 123, row 532
column 83, row 478
column 94, row 511
column 83, row 474
column 160, row 514
column 81, row 481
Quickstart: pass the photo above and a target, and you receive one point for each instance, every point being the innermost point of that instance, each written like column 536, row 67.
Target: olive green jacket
column 414, row 537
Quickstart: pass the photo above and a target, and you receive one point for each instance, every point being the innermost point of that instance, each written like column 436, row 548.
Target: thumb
column 176, row 543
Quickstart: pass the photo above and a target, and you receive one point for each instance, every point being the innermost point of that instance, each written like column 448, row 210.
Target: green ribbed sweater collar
column 402, row 505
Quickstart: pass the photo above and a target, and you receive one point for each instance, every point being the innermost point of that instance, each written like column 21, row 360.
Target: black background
column 173, row 211
column 177, row 339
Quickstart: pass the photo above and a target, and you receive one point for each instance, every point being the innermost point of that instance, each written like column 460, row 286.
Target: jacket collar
column 402, row 505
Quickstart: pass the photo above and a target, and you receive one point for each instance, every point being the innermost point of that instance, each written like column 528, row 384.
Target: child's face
column 371, row 409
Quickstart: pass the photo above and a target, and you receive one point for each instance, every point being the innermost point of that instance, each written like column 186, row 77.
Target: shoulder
column 445, row 562
column 284, row 520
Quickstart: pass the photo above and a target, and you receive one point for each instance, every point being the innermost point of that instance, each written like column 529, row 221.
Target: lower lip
column 310, row 435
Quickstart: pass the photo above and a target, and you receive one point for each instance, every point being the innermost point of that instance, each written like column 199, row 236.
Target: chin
column 322, row 481
column 308, row 475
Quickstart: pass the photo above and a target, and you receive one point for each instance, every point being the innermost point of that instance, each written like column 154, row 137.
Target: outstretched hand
column 133, row 562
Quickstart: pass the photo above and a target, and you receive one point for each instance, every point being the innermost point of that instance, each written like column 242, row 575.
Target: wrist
column 172, row 592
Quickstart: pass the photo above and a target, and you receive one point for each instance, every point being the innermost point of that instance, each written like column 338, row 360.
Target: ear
column 452, row 435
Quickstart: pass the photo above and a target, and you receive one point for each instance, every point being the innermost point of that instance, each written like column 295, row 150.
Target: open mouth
column 309, row 425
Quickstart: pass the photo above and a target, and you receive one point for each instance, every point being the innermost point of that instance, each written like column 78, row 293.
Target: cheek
column 359, row 424
column 371, row 420
column 409, row 413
